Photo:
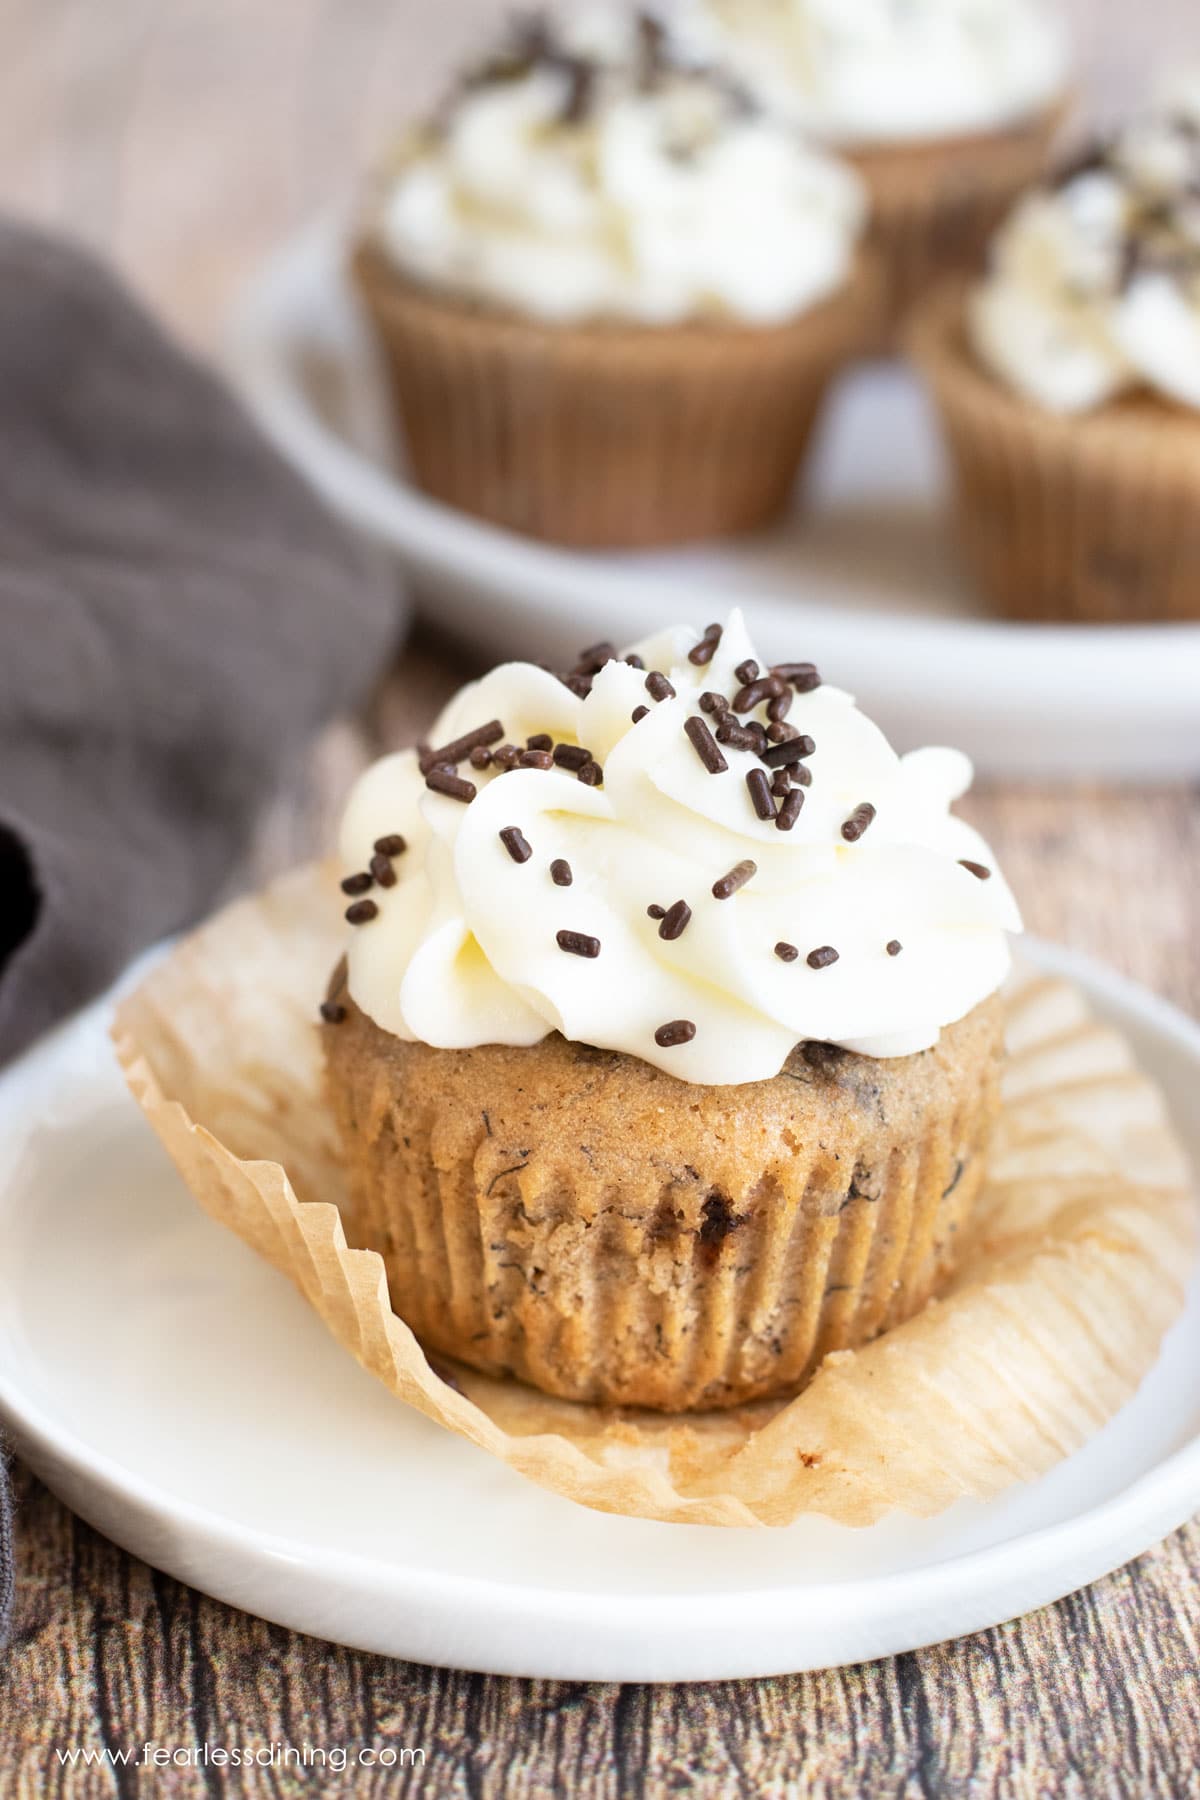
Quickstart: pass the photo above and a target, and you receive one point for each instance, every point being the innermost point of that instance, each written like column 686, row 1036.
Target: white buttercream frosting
column 1094, row 284
column 587, row 174
column 464, row 949
column 877, row 71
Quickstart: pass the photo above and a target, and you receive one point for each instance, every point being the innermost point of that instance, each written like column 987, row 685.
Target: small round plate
column 863, row 579
column 178, row 1393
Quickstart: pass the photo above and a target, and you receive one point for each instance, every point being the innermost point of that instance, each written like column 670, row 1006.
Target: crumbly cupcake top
column 677, row 853
column 1094, row 287
column 587, row 172
column 882, row 71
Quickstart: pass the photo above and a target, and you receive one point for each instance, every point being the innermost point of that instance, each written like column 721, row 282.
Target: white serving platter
column 863, row 578
column 178, row 1393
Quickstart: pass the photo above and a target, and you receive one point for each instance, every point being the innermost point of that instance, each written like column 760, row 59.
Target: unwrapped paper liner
column 1071, row 1275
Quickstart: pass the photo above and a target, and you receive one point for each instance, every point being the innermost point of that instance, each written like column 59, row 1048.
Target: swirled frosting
column 644, row 892
column 873, row 71
column 586, row 173
column 1094, row 285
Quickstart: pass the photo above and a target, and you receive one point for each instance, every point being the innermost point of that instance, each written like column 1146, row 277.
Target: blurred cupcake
column 946, row 107
column 611, row 293
column 666, row 1047
column 1069, row 385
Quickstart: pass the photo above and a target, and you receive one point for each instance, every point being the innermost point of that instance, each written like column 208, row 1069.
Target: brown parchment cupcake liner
column 1079, row 518
column 1073, row 1266
column 606, row 435
column 935, row 205
column 582, row 1221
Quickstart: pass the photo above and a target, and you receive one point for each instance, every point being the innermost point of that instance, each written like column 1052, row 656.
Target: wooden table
column 183, row 145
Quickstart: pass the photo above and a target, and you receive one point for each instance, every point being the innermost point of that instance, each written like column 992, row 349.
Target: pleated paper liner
column 935, row 205
column 1090, row 518
column 607, row 435
column 1074, row 1268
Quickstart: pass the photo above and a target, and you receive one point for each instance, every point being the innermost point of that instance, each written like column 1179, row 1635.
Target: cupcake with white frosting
column 1070, row 383
column 946, row 107
column 611, row 290
column 666, row 1044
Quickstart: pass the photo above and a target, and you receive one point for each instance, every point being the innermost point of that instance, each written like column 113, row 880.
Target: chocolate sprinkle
column 702, row 653
column 480, row 757
column 516, row 843
column 822, row 958
column 461, row 747
column 357, row 884
column 802, row 675
column 747, row 671
column 639, row 713
column 571, row 756
column 535, row 759
column 786, row 952
column 894, row 947
column 755, row 692
column 443, row 782
column 577, row 943
column 675, row 921
column 977, row 869
column 760, row 793
column 382, row 870
column 738, row 737
column 801, row 774
column 778, row 756
column 856, row 824
column 541, row 740
column 591, row 774
column 789, row 812
column 392, row 845
column 779, row 708
column 679, row 1031
column 737, row 877
column 362, row 912
column 658, row 687
column 506, row 756
column 654, row 911
column 593, row 659
column 713, row 703
column 560, row 872
column 705, row 745
column 331, row 1012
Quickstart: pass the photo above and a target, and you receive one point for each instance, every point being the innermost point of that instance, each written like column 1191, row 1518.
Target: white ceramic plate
column 864, row 580
column 178, row 1394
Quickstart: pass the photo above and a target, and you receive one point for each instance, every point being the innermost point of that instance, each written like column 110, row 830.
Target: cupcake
column 610, row 292
column 947, row 109
column 1068, row 382
column 666, row 1043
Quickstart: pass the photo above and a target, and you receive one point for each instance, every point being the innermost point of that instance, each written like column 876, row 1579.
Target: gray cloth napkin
column 178, row 614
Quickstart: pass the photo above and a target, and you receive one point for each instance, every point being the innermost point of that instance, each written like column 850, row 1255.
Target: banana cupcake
column 947, row 108
column 1068, row 381
column 610, row 290
column 666, row 1044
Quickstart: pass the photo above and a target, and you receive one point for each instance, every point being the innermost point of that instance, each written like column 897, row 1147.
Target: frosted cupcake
column 611, row 292
column 946, row 107
column 666, row 1045
column 1069, row 385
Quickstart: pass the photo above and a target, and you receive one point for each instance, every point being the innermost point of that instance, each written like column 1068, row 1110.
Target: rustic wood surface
column 183, row 140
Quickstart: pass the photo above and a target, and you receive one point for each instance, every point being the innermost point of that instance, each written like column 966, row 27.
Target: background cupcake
column 667, row 1045
column 946, row 107
column 1069, row 384
column 611, row 292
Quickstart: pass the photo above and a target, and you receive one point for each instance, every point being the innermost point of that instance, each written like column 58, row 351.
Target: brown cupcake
column 1092, row 517
column 599, row 1229
column 935, row 205
column 606, row 435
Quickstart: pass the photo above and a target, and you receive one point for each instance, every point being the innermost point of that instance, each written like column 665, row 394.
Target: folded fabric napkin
column 178, row 614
